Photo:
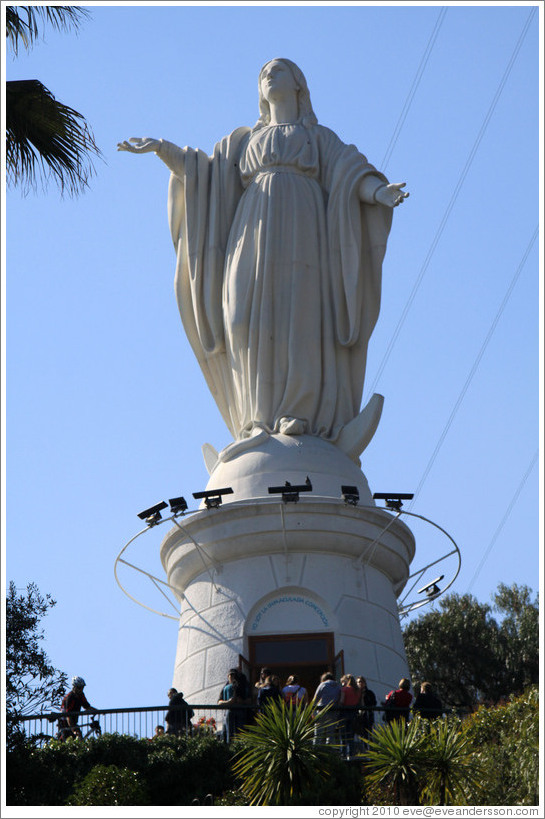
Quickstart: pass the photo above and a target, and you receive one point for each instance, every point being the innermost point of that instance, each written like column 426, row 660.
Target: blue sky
column 106, row 406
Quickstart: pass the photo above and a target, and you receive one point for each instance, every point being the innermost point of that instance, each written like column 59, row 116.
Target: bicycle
column 66, row 731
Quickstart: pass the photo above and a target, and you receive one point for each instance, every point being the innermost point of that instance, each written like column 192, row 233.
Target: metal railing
column 142, row 722
column 135, row 722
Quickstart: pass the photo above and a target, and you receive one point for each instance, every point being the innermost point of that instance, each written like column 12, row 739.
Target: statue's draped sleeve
column 357, row 234
column 202, row 201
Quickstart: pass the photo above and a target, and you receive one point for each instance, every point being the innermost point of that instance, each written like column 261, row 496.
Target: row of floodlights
column 290, row 494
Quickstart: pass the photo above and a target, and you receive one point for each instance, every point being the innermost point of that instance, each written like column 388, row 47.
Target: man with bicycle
column 74, row 701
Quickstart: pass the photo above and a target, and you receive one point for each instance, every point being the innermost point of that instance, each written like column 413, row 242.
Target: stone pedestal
column 259, row 566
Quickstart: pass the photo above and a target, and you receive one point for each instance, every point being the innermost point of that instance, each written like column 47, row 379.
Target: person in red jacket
column 75, row 700
column 398, row 702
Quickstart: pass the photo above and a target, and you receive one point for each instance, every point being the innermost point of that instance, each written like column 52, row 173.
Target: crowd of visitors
column 351, row 706
column 397, row 703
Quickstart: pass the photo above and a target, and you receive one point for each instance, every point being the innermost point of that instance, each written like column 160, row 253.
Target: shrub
column 45, row 776
column 174, row 770
column 121, row 750
column 110, row 785
column 342, row 786
column 490, row 758
column 232, row 797
column 182, row 769
column 505, row 739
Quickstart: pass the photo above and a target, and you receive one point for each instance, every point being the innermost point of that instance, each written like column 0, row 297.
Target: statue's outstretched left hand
column 391, row 195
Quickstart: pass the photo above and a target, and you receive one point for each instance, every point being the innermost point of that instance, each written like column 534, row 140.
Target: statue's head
column 305, row 113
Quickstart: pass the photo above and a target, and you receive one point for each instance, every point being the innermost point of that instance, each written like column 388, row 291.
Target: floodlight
column 290, row 493
column 152, row 516
column 393, row 499
column 178, row 506
column 432, row 589
column 350, row 495
column 213, row 497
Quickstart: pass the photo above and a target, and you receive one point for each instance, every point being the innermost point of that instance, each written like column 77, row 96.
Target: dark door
column 306, row 655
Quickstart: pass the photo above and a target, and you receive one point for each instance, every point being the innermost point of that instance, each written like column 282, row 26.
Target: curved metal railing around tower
column 141, row 722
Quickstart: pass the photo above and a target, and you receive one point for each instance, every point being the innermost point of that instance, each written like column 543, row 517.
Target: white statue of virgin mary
column 280, row 237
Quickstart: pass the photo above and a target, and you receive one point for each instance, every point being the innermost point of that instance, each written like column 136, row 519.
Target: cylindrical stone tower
column 300, row 587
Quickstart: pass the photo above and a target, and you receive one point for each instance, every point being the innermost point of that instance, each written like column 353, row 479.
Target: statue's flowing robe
column 278, row 274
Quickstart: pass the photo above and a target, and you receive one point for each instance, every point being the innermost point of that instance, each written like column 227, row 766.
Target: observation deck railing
column 141, row 722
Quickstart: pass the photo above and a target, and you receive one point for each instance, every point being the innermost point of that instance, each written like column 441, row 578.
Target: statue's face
column 277, row 81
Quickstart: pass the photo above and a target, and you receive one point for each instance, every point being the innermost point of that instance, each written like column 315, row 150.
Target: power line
column 503, row 520
column 476, row 363
column 413, row 89
column 453, row 199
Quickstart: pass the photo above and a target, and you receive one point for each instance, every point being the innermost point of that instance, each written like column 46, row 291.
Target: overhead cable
column 413, row 89
column 476, row 363
column 503, row 520
column 452, row 201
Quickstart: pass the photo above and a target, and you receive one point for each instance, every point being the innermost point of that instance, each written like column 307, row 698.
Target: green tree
column 519, row 636
column 31, row 681
column 44, row 137
column 457, row 648
column 468, row 654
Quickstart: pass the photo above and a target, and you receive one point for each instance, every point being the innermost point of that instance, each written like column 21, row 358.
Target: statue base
column 251, row 466
column 301, row 587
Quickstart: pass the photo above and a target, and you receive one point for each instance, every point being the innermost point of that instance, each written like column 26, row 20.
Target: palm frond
column 394, row 758
column 454, row 773
column 46, row 138
column 22, row 22
column 278, row 758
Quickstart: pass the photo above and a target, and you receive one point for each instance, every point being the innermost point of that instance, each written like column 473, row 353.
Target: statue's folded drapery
column 278, row 275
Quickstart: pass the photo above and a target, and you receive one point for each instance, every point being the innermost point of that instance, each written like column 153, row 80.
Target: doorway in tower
column 308, row 655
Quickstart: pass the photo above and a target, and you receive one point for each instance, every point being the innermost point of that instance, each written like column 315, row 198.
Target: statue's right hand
column 139, row 145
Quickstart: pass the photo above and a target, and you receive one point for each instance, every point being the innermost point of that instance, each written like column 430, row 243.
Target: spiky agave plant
column 395, row 759
column 278, row 759
column 454, row 773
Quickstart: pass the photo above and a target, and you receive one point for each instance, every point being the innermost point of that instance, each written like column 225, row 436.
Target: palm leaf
column 454, row 774
column 47, row 138
column 394, row 759
column 22, row 22
column 277, row 760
